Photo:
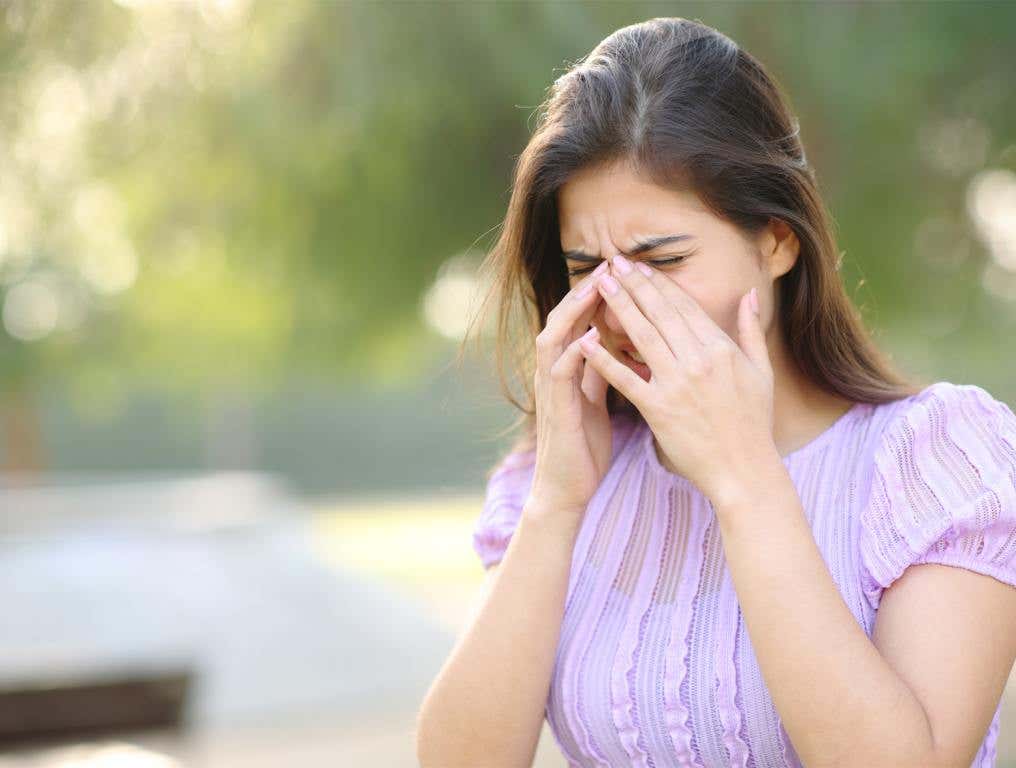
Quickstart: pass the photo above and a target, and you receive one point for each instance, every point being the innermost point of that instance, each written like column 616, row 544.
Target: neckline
column 812, row 445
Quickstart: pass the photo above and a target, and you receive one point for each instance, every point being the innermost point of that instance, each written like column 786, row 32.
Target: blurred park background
column 239, row 244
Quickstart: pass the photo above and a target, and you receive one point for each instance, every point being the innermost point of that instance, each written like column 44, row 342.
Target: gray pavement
column 309, row 653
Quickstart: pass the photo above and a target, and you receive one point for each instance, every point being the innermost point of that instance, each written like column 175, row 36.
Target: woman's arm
column 839, row 700
column 486, row 706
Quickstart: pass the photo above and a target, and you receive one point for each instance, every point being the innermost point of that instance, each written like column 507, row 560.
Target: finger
column 583, row 321
column 593, row 386
column 564, row 375
column 623, row 378
column 647, row 338
column 751, row 335
column 645, row 293
column 696, row 318
column 588, row 284
column 558, row 329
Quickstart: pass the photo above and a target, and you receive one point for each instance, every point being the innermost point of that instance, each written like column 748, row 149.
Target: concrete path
column 317, row 631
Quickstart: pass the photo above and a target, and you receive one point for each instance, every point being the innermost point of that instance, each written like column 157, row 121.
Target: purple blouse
column 655, row 665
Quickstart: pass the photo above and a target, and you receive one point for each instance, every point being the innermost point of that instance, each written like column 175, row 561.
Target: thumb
column 752, row 338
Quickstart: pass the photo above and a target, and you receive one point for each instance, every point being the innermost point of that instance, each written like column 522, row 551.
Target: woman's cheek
column 723, row 313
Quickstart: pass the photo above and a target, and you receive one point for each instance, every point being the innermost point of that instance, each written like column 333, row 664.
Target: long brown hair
column 688, row 108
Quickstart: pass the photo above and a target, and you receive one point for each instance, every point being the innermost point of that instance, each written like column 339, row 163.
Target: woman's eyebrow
column 641, row 246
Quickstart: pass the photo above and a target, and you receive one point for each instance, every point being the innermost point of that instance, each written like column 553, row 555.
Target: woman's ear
column 780, row 247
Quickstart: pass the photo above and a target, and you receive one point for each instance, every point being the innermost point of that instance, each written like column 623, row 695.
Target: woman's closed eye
column 654, row 262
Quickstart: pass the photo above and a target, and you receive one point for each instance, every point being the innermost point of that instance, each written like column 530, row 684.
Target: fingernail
column 600, row 269
column 623, row 265
column 644, row 268
column 753, row 298
column 608, row 284
column 588, row 340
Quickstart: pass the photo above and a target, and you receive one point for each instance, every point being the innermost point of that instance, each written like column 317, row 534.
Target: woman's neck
column 801, row 409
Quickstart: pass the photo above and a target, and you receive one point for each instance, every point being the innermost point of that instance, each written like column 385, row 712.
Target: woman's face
column 606, row 210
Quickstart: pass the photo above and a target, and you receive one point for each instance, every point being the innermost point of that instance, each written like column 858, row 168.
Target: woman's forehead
column 617, row 201
column 624, row 223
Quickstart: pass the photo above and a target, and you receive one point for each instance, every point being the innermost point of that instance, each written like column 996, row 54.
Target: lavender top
column 655, row 665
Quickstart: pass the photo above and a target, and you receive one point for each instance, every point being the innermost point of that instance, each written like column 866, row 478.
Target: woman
column 730, row 534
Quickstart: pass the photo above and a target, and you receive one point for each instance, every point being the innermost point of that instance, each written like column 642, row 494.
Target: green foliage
column 230, row 194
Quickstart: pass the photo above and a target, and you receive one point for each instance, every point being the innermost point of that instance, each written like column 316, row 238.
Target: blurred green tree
column 206, row 195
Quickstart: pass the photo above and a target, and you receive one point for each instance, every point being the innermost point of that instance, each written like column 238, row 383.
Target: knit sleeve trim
column 506, row 493
column 943, row 489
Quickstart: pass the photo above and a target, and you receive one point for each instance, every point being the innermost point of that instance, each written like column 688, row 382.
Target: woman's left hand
column 709, row 401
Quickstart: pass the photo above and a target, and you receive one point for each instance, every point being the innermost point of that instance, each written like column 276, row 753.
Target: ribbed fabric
column 655, row 666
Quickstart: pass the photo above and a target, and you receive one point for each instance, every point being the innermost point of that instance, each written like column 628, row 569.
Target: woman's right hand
column 573, row 431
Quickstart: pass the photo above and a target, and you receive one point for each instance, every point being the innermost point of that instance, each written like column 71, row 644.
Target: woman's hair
column 686, row 108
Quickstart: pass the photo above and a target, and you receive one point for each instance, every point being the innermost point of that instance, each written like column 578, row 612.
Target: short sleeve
column 507, row 489
column 943, row 488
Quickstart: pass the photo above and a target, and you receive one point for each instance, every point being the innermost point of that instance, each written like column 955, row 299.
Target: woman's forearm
column 486, row 706
column 839, row 700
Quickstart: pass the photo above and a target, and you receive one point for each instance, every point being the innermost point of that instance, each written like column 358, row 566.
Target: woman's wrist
column 553, row 518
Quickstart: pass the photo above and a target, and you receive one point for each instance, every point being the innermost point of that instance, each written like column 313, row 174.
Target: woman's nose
column 611, row 320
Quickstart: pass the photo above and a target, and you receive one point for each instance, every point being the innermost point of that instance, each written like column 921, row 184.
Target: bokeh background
column 239, row 245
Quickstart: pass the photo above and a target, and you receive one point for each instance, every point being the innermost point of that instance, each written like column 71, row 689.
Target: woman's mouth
column 634, row 361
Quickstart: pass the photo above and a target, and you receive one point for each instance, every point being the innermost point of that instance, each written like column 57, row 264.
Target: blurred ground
column 315, row 633
column 417, row 554
column 423, row 548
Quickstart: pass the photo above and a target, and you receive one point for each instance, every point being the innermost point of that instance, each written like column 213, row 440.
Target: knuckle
column 541, row 365
column 653, row 406
column 545, row 352
column 681, row 384
column 720, row 350
column 642, row 338
column 657, row 319
column 699, row 367
column 559, row 373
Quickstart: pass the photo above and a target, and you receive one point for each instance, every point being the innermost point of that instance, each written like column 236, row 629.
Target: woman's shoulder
column 944, row 411
column 948, row 393
column 934, row 436
column 943, row 486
